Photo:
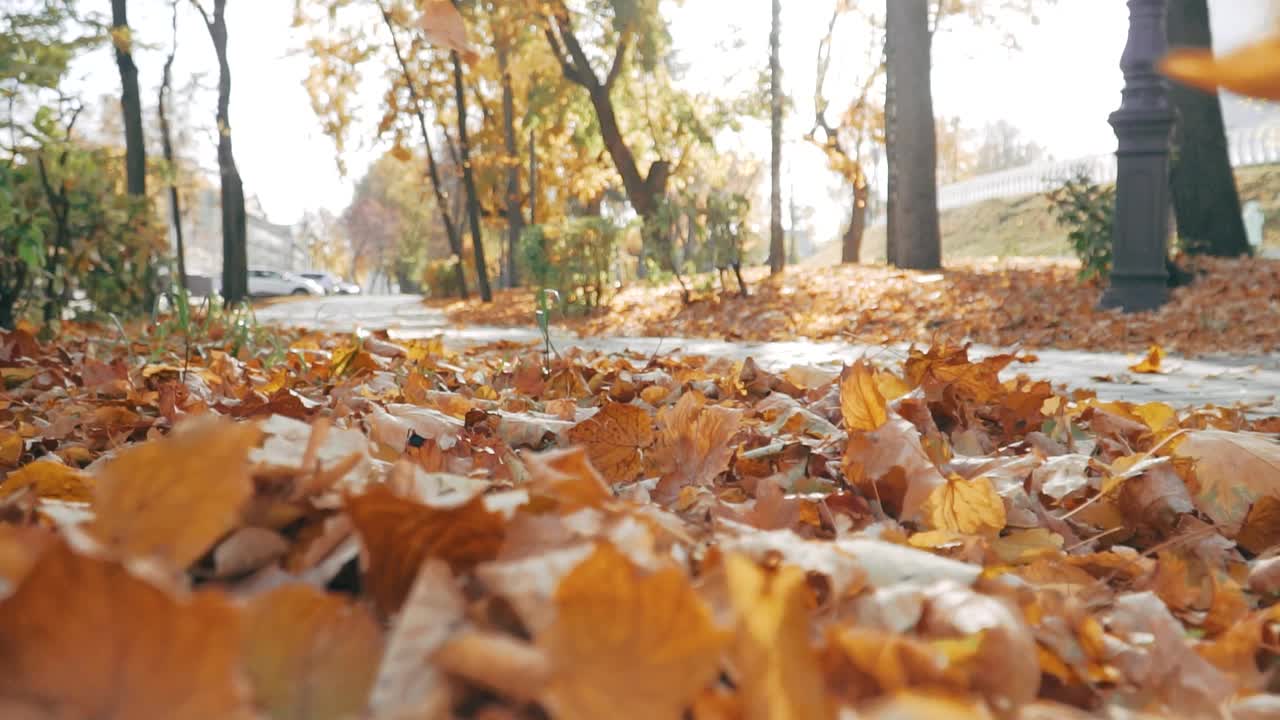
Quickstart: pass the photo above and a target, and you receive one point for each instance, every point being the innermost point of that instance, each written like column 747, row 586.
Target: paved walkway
column 1225, row 380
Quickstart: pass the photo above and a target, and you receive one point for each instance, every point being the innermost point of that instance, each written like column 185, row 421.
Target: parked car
column 264, row 282
column 332, row 284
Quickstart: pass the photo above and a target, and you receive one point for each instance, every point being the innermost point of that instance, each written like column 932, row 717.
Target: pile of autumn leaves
column 381, row 529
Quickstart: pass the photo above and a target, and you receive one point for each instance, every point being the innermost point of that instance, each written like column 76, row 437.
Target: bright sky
column 1058, row 90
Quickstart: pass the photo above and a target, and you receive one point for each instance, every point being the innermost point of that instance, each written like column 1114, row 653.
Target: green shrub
column 575, row 258
column 1087, row 211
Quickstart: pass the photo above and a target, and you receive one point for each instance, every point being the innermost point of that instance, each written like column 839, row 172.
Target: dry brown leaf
column 924, row 706
column 970, row 507
column 779, row 673
column 615, row 439
column 82, row 638
column 693, row 443
column 626, row 644
column 861, row 402
column 11, row 448
column 309, row 654
column 891, row 465
column 246, row 550
column 407, row 685
column 20, row 547
column 51, row 480
column 1232, row 472
column 1020, row 547
column 1261, row 530
column 566, row 479
column 398, row 535
column 171, row 499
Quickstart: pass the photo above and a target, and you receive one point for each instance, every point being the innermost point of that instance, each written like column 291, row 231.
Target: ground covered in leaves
column 1234, row 306
column 351, row 527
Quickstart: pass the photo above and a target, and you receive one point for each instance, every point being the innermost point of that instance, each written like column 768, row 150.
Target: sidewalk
column 1225, row 380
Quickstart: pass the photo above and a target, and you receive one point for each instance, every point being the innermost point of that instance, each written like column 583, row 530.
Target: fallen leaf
column 693, row 443
column 309, row 654
column 1024, row 546
column 137, row 652
column 51, row 480
column 1232, row 471
column 407, row 685
column 398, row 535
column 861, row 403
column 970, row 507
column 171, row 499
column 1150, row 365
column 626, row 644
column 567, row 479
column 11, row 448
column 616, row 438
column 779, row 673
column 247, row 550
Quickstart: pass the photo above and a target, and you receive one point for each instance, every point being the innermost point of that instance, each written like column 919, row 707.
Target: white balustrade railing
column 1247, row 146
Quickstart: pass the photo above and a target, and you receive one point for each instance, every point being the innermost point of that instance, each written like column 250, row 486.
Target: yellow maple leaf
column 781, row 678
column 861, row 402
column 626, row 644
column 615, row 439
column 171, row 499
column 1253, row 70
column 971, row 507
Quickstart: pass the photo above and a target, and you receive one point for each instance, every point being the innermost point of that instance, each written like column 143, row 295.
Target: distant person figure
column 1255, row 221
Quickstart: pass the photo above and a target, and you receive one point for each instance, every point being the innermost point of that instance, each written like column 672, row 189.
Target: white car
column 332, row 284
column 264, row 282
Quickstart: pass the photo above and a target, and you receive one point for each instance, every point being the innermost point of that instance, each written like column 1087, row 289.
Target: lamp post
column 1143, row 126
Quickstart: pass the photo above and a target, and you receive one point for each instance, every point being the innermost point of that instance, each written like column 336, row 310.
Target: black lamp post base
column 1135, row 294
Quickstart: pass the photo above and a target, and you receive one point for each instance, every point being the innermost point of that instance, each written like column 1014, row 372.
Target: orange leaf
column 615, row 438
column 971, row 507
column 51, row 480
column 1253, row 70
column 309, row 654
column 693, row 443
column 780, row 675
column 1150, row 365
column 861, row 402
column 444, row 26
column 566, row 479
column 83, row 638
column 11, row 447
column 399, row 535
column 20, row 548
column 173, row 498
column 626, row 644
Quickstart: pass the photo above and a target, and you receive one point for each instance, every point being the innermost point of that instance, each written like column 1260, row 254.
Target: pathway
column 1224, row 380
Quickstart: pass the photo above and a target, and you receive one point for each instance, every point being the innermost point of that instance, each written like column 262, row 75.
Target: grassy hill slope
column 1024, row 226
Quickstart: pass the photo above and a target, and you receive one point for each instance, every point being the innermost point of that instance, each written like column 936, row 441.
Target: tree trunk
column 851, row 246
column 451, row 231
column 915, row 236
column 1201, row 180
column 166, row 139
column 515, row 214
column 235, row 261
column 777, row 242
column 468, row 177
column 643, row 192
column 130, row 101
